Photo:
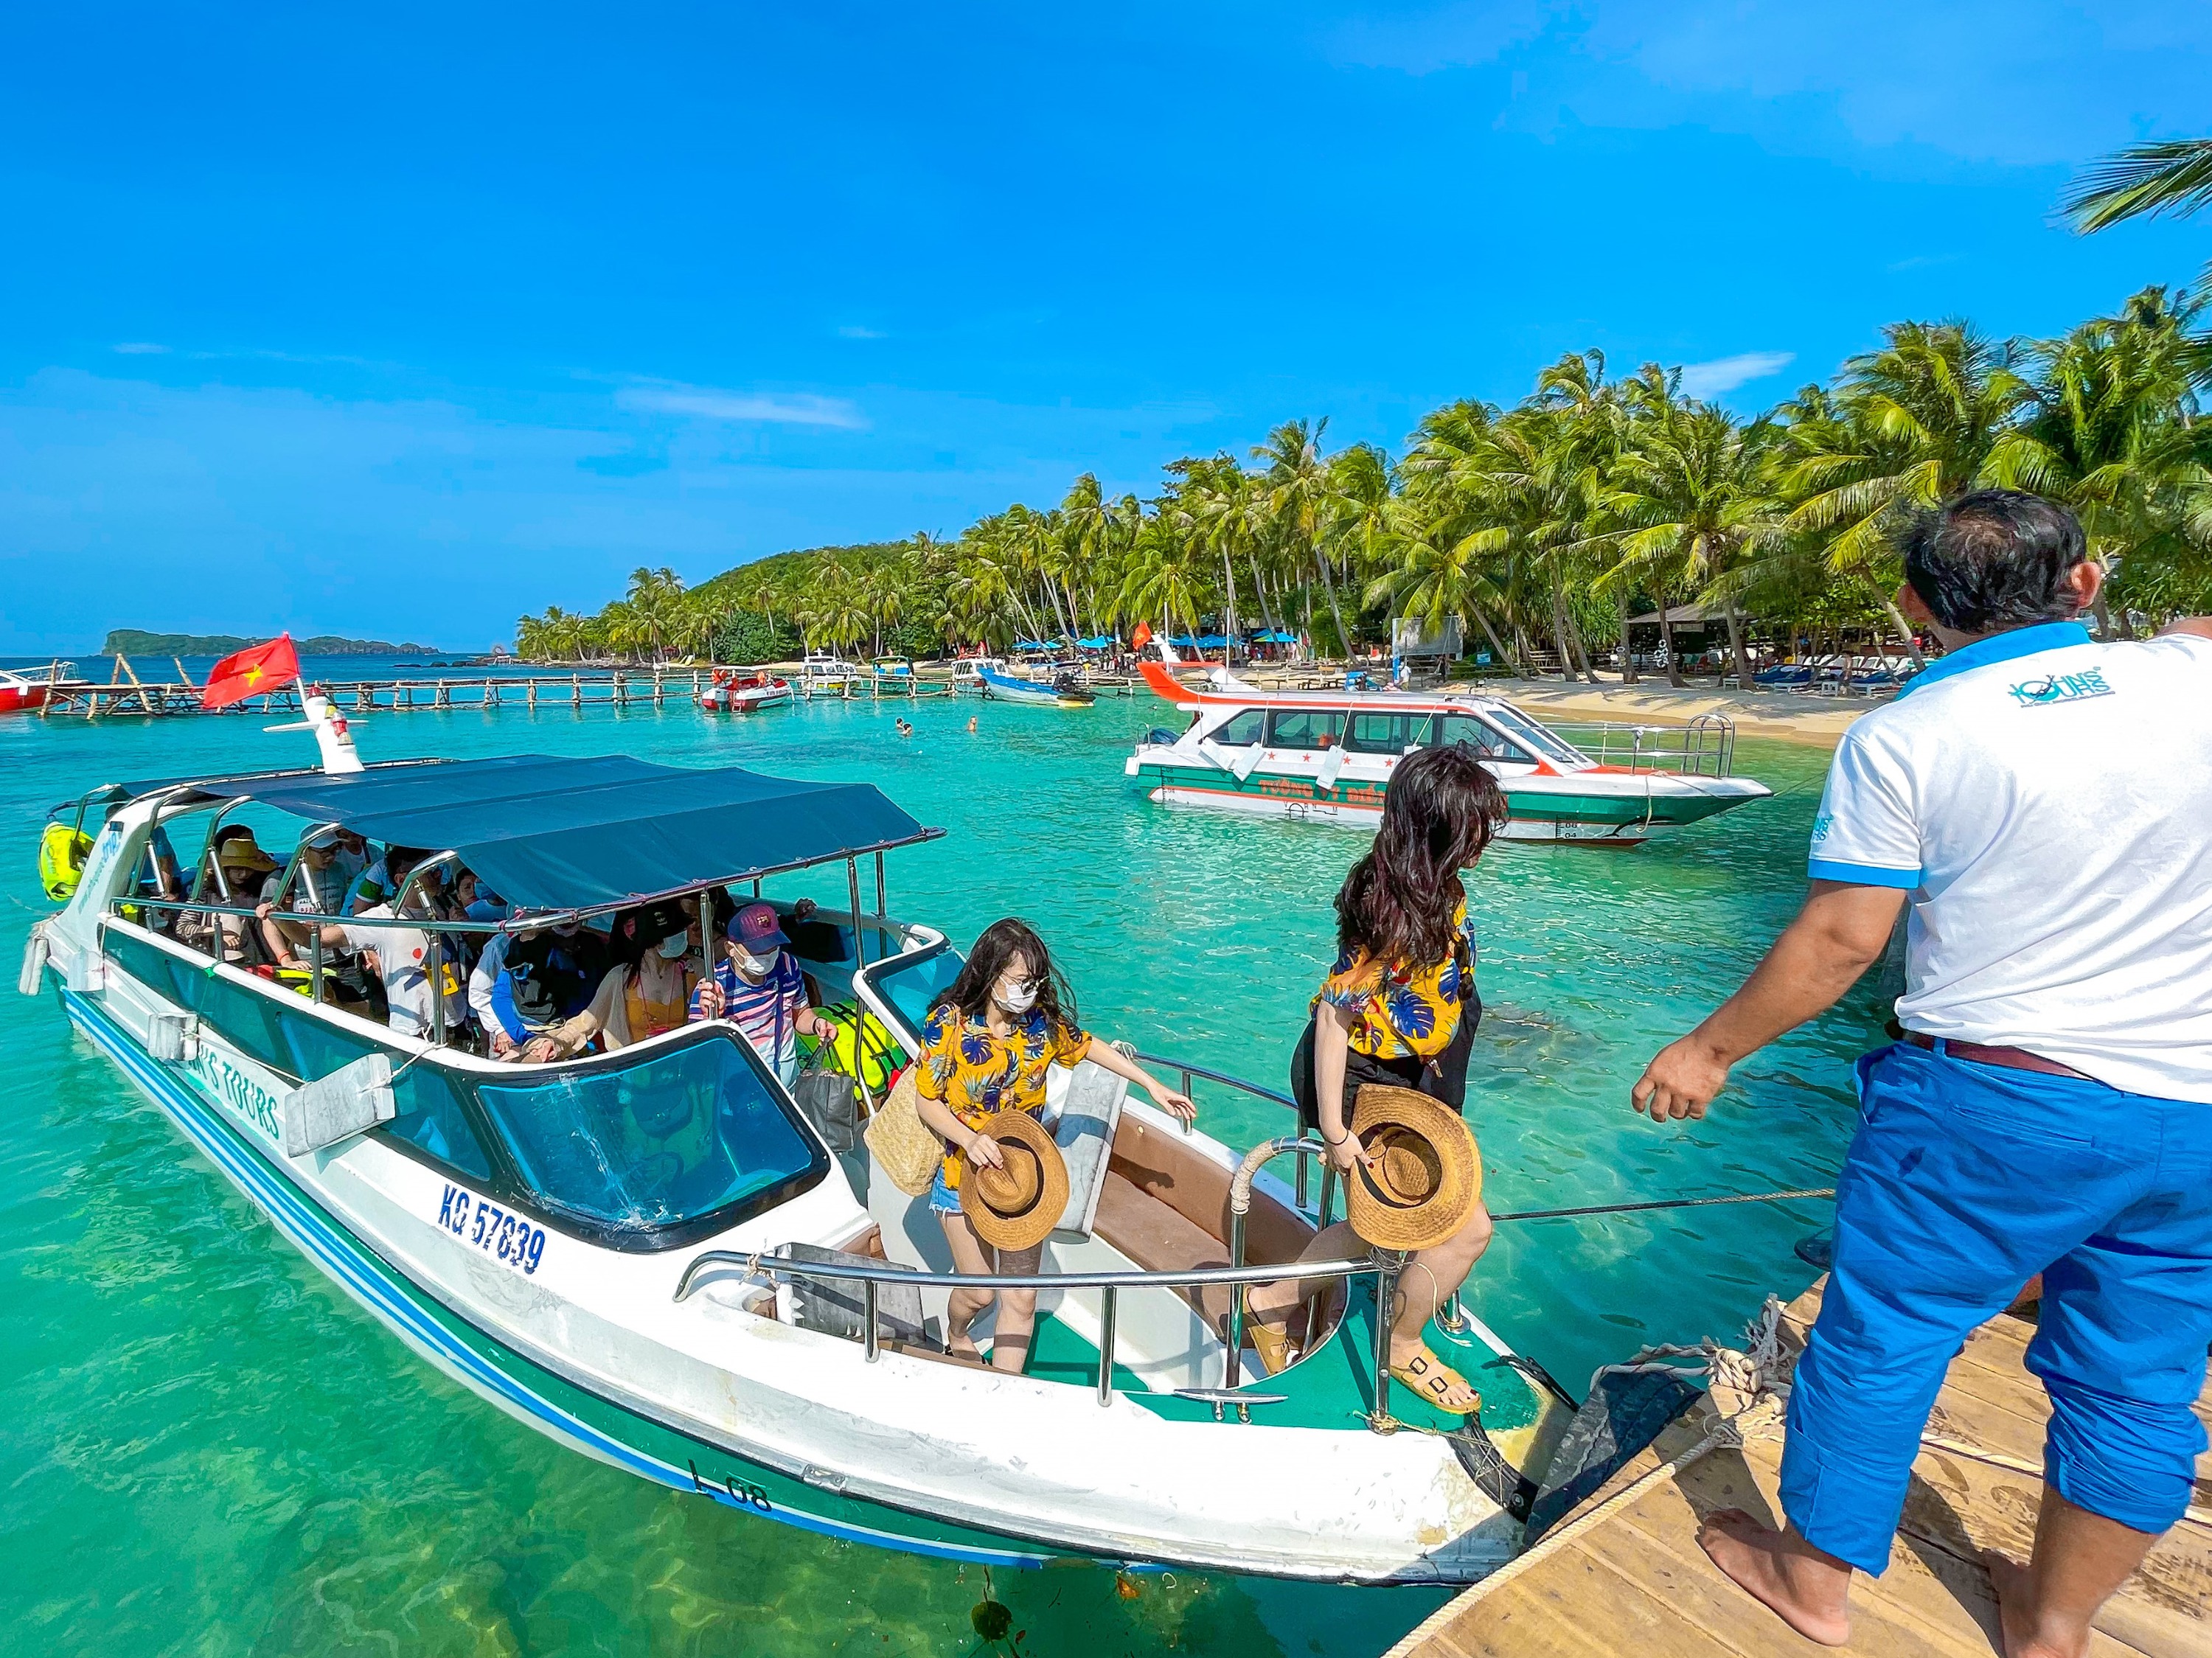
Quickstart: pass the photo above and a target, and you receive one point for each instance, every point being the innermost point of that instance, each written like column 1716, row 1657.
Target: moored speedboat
column 19, row 693
column 1328, row 756
column 1061, row 691
column 745, row 692
column 638, row 1252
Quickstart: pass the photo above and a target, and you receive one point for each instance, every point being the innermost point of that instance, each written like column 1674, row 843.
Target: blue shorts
column 1964, row 1182
column 943, row 1199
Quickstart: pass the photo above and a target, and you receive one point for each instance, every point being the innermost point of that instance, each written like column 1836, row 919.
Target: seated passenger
column 647, row 991
column 985, row 1049
column 758, row 988
column 235, row 869
column 375, row 884
column 525, row 984
column 317, row 888
column 402, row 954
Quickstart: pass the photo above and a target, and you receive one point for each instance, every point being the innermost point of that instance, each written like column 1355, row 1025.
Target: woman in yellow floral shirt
column 986, row 1047
column 1398, row 1007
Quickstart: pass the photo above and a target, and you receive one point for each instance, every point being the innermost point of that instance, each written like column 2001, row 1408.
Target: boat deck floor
column 1635, row 1580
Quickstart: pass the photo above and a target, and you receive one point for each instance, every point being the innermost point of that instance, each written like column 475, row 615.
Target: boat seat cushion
column 834, row 1307
column 1084, row 1131
column 1159, row 1240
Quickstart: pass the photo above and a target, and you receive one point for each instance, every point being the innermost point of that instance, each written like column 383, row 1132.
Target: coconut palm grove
column 1542, row 528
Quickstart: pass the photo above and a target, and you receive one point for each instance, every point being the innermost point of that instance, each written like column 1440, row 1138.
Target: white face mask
column 673, row 946
column 752, row 966
column 1014, row 1001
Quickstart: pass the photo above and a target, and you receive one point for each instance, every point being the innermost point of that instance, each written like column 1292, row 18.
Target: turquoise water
column 206, row 1448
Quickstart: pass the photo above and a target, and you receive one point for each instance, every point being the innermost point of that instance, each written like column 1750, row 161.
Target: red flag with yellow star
column 249, row 673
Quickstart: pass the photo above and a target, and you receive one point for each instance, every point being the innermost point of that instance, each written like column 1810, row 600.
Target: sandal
column 1273, row 1344
column 1432, row 1380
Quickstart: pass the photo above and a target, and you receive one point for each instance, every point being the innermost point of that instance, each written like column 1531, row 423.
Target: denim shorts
column 943, row 1199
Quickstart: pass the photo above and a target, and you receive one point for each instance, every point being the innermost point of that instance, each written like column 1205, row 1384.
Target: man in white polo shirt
column 2045, row 803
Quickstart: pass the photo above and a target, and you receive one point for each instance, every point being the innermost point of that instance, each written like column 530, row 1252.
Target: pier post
column 622, row 691
column 534, row 696
column 576, row 690
column 444, row 699
column 656, row 684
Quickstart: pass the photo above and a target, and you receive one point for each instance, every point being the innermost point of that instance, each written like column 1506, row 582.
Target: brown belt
column 2013, row 1058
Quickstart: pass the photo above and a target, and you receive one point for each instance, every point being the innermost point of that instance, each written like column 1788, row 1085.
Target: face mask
column 1018, row 1001
column 673, row 946
column 752, row 966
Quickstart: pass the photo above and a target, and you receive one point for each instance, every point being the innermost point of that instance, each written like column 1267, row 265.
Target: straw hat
column 1015, row 1207
column 1430, row 1175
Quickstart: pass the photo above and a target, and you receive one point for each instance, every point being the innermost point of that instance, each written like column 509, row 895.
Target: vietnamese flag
column 249, row 673
column 1141, row 638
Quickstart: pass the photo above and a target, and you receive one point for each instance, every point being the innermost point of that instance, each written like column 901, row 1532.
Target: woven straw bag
column 904, row 1147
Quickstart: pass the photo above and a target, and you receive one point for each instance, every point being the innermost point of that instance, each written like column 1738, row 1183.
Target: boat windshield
column 1528, row 730
column 691, row 1130
column 911, row 985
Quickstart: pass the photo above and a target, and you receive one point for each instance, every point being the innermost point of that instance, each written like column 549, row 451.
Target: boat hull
column 532, row 1393
column 1006, row 688
column 1610, row 809
column 21, row 699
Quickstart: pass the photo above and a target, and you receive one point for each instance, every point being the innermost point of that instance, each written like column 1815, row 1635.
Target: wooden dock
column 1632, row 1579
column 126, row 693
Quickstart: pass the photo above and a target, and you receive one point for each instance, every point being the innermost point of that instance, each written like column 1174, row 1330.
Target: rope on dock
column 1667, row 1203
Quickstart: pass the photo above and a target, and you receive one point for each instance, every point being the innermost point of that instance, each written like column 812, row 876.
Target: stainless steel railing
column 1110, row 1284
column 1705, row 747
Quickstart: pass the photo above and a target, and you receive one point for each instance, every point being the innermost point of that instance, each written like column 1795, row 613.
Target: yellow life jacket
column 62, row 851
column 863, row 1049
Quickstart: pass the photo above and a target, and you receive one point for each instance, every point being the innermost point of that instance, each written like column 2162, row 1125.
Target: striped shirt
column 767, row 1012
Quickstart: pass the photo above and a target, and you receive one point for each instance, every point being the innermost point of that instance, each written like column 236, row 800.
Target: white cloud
column 1710, row 379
column 778, row 409
column 141, row 349
column 852, row 331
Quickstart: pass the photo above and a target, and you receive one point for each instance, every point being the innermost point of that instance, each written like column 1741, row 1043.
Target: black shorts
column 1443, row 1079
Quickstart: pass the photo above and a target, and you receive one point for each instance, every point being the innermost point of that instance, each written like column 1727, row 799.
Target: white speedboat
column 654, row 1257
column 1327, row 756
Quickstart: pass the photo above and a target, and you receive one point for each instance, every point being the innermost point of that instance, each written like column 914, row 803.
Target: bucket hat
column 1429, row 1178
column 1015, row 1207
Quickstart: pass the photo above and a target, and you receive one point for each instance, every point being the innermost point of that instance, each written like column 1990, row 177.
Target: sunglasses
column 1018, row 985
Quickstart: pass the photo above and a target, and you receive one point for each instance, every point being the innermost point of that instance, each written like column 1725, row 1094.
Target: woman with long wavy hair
column 1400, row 1007
column 986, row 1047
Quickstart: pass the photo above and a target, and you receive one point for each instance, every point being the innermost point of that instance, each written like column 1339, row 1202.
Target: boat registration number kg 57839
column 482, row 1222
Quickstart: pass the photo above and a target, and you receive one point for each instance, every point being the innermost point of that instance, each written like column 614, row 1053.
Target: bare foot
column 2016, row 1614
column 1803, row 1586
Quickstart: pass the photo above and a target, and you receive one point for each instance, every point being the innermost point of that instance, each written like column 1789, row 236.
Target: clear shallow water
column 205, row 1447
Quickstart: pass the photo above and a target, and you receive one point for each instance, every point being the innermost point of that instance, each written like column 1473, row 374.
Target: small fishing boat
column 655, row 1257
column 745, row 692
column 1327, row 756
column 1061, row 691
column 19, row 693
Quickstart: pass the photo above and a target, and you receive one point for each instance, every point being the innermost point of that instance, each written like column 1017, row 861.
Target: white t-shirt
column 2047, row 801
column 402, row 954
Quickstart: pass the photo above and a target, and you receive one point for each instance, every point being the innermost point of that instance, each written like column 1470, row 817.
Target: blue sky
column 400, row 323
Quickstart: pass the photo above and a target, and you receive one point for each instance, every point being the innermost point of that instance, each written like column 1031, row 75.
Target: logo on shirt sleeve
column 1823, row 826
column 2062, row 688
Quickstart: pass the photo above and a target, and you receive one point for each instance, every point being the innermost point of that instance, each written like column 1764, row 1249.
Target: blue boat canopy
column 556, row 831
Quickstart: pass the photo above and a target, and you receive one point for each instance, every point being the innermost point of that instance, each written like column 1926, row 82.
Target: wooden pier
column 1623, row 1574
column 126, row 693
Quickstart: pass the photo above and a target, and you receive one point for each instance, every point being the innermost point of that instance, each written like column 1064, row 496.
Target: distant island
column 131, row 641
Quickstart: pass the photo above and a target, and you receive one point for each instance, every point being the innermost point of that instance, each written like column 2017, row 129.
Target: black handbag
column 827, row 1097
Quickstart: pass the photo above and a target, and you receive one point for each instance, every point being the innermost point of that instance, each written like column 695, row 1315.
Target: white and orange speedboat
column 747, row 693
column 1328, row 754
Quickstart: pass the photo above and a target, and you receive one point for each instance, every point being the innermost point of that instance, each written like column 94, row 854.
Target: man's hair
column 1995, row 558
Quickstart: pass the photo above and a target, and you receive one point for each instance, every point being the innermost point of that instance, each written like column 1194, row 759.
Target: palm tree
column 2113, row 434
column 1910, row 426
column 1688, row 493
column 2171, row 175
column 1299, row 499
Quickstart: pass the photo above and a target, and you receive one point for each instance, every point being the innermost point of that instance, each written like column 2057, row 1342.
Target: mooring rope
column 1667, row 1203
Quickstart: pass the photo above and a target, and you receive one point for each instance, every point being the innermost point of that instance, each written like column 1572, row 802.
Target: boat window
column 1305, row 728
column 689, row 1131
column 1383, row 733
column 1554, row 749
column 1467, row 731
column 1243, row 731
